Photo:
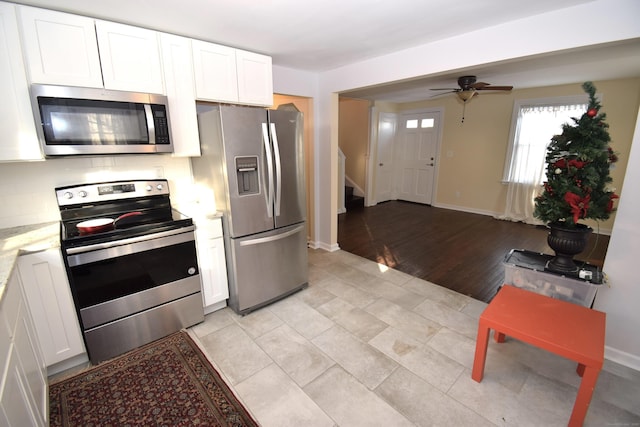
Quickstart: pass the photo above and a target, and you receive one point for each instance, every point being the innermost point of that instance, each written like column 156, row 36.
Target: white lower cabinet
column 23, row 384
column 50, row 302
column 212, row 263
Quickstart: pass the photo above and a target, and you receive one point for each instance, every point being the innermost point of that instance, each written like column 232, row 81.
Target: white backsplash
column 27, row 193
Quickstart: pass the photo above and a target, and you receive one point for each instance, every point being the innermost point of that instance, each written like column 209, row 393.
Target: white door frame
column 440, row 111
column 370, row 199
column 372, row 160
column 369, row 192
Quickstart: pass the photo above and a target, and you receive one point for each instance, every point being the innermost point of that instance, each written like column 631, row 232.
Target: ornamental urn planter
column 566, row 243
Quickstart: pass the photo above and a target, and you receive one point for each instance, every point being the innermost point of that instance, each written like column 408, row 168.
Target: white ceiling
column 323, row 34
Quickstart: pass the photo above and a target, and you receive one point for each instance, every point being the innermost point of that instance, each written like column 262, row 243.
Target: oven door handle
column 101, row 251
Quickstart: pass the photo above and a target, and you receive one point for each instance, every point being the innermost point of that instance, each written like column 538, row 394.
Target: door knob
column 380, row 164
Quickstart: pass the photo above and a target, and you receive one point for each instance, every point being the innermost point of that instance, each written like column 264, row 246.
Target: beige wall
column 353, row 138
column 472, row 153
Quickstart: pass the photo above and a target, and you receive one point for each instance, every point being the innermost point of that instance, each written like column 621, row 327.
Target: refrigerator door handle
column 271, row 238
column 267, row 148
column 276, row 155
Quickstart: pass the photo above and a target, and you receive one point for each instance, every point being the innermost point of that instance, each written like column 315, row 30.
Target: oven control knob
column 82, row 194
column 149, row 188
column 68, row 195
column 159, row 187
column 191, row 271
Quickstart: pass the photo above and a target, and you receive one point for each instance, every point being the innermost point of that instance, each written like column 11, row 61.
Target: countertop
column 199, row 212
column 15, row 241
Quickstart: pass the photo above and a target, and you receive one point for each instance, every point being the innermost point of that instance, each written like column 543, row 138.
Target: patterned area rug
column 168, row 382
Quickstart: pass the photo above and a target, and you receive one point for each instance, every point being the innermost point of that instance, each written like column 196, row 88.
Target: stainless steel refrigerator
column 253, row 160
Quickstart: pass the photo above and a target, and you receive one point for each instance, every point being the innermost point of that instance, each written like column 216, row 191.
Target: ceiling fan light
column 466, row 95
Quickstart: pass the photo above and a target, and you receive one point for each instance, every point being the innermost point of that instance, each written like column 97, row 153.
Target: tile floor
column 365, row 347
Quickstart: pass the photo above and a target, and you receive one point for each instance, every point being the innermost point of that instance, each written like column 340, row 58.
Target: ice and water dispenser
column 247, row 174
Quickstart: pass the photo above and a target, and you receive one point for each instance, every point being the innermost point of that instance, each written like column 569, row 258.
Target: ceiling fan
column 469, row 88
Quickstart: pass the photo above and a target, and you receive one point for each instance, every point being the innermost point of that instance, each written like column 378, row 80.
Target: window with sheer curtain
column 534, row 122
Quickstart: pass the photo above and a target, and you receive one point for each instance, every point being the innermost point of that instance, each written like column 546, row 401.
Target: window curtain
column 536, row 125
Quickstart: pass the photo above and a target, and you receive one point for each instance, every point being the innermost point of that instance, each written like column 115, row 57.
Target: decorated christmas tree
column 577, row 172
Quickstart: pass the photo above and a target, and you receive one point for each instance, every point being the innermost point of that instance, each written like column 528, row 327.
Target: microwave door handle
column 276, row 155
column 151, row 127
column 267, row 148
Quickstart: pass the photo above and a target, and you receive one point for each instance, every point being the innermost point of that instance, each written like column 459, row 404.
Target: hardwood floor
column 458, row 250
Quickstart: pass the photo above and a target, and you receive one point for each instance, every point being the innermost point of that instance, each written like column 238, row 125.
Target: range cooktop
column 148, row 199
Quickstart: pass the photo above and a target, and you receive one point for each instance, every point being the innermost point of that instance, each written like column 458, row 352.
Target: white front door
column 384, row 165
column 417, row 155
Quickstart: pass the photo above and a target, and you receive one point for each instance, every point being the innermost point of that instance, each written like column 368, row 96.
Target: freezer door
column 286, row 131
column 249, row 158
column 267, row 267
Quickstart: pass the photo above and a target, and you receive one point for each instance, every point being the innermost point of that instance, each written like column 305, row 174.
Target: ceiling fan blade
column 453, row 89
column 495, row 88
column 443, row 93
column 480, row 85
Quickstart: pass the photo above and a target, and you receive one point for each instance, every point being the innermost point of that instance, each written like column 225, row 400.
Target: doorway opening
column 404, row 151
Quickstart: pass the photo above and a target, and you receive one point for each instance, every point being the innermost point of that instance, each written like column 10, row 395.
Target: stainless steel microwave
column 91, row 121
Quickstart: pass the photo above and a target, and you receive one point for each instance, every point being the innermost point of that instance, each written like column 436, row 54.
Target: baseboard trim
column 464, row 209
column 215, row 307
column 603, row 231
column 323, row 246
column 622, row 358
column 65, row 365
column 357, row 190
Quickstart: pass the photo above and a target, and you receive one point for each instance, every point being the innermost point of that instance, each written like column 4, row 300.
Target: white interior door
column 387, row 123
column 417, row 155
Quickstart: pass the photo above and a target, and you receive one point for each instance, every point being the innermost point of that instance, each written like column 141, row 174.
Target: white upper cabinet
column 49, row 47
column 255, row 78
column 72, row 50
column 130, row 58
column 60, row 48
column 225, row 74
column 19, row 138
column 215, row 72
column 180, row 87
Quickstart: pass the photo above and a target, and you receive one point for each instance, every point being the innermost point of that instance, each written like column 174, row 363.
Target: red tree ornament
column 592, row 112
column 579, row 205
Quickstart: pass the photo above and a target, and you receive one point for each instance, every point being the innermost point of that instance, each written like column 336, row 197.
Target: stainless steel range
column 131, row 262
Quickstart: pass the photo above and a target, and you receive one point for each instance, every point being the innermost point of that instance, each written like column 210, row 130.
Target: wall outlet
column 457, row 194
